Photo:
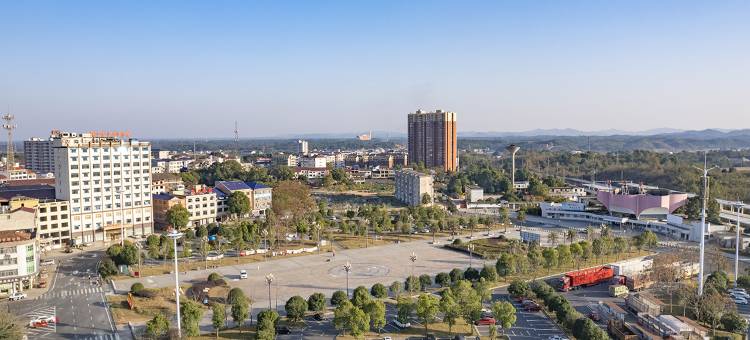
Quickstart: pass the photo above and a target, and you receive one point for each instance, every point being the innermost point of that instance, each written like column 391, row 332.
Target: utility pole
column 738, row 206
column 174, row 235
column 704, row 200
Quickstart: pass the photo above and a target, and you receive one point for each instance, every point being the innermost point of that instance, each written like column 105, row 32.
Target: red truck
column 584, row 278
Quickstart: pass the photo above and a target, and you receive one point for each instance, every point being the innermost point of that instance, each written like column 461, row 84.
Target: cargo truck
column 583, row 278
column 638, row 283
column 618, row 290
column 632, row 267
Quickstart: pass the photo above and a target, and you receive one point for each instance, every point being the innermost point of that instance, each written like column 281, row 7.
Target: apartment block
column 200, row 202
column 53, row 223
column 313, row 162
column 432, row 139
column 412, row 186
column 107, row 181
column 285, row 159
column 38, row 155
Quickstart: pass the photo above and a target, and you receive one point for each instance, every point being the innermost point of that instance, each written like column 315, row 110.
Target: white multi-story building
column 313, row 162
column 19, row 261
column 107, row 181
column 302, row 147
column 412, row 186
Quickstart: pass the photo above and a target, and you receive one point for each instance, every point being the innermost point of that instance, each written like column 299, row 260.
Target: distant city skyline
column 191, row 69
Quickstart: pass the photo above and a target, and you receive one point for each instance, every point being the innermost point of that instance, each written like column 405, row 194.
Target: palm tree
column 553, row 237
column 570, row 235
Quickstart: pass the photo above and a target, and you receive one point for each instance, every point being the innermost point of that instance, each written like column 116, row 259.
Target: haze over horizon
column 331, row 67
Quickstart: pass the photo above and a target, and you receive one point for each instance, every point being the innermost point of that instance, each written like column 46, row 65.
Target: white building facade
column 107, row 183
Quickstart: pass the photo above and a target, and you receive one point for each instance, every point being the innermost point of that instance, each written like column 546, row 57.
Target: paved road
column 78, row 304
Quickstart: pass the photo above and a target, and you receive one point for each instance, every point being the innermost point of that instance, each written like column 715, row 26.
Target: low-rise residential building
column 164, row 183
column 311, row 173
column 474, row 194
column 200, row 202
column 569, row 193
column 313, row 162
column 381, row 160
column 53, row 224
column 381, row 173
column 413, row 187
column 285, row 159
column 260, row 195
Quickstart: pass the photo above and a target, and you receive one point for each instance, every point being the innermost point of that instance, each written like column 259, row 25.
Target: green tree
column 157, row 327
column 379, row 291
column 456, row 275
column 425, row 281
column 338, row 297
column 136, row 287
column 240, row 311
column 191, row 316
column 468, row 299
column 412, row 284
column 360, row 297
column 584, row 328
column 316, row 302
column 404, row 309
column 295, row 308
column 178, row 216
column 426, row 198
column 563, row 254
column 218, row 317
column 550, row 258
column 519, row 288
column 427, row 308
column 375, row 309
column 488, row 273
column 443, row 279
column 238, row 204
column 267, row 325
column 733, row 322
column 107, row 268
column 504, row 313
column 396, row 288
column 521, row 215
column 235, row 294
column 450, row 309
column 504, row 265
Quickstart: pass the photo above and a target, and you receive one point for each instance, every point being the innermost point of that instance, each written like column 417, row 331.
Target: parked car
column 594, row 316
column 214, row 256
column 533, row 307
column 36, row 323
column 47, row 262
column 485, row 321
column 243, row 274
column 401, row 325
column 318, row 316
column 556, row 337
column 283, row 330
column 737, row 290
column 740, row 301
column 17, row 296
column 739, row 294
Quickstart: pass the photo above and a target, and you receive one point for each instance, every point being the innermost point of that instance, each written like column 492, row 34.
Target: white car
column 556, row 337
column 401, row 325
column 740, row 301
column 739, row 295
column 737, row 290
column 17, row 296
column 47, row 262
column 243, row 274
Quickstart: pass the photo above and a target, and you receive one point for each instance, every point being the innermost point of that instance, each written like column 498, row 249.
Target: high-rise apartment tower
column 432, row 139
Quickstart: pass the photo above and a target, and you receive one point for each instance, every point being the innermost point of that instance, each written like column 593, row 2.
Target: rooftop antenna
column 705, row 171
column 237, row 138
column 8, row 125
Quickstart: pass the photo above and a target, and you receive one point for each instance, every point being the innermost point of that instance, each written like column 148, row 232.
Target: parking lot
column 529, row 325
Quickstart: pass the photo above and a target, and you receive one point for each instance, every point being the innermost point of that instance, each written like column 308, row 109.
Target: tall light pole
column 738, row 206
column 269, row 280
column 174, row 235
column 471, row 254
column 704, row 199
column 347, row 268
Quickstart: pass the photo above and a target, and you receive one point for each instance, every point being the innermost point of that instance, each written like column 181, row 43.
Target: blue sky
column 190, row 69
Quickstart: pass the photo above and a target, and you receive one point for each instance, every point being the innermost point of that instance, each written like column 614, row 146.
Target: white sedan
column 740, row 301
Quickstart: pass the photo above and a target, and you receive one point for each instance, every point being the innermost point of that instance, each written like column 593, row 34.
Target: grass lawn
column 145, row 308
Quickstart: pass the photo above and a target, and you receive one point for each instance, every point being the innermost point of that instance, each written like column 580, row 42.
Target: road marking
column 107, row 311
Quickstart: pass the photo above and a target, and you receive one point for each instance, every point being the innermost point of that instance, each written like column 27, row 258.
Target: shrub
column 489, row 273
column 316, row 302
column 136, row 287
column 456, row 275
column 214, row 277
column 443, row 279
column 338, row 297
column 425, row 281
column 379, row 291
column 295, row 308
column 457, row 242
column 471, row 274
column 412, row 284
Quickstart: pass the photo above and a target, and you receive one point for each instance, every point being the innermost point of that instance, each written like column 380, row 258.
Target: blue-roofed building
column 260, row 196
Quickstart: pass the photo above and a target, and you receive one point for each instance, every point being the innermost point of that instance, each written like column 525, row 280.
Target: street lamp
column 347, row 268
column 269, row 280
column 471, row 254
column 704, row 199
column 174, row 235
column 738, row 206
column 412, row 258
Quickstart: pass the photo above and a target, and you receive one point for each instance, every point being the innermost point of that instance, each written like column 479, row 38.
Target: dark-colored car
column 318, row 316
column 283, row 330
